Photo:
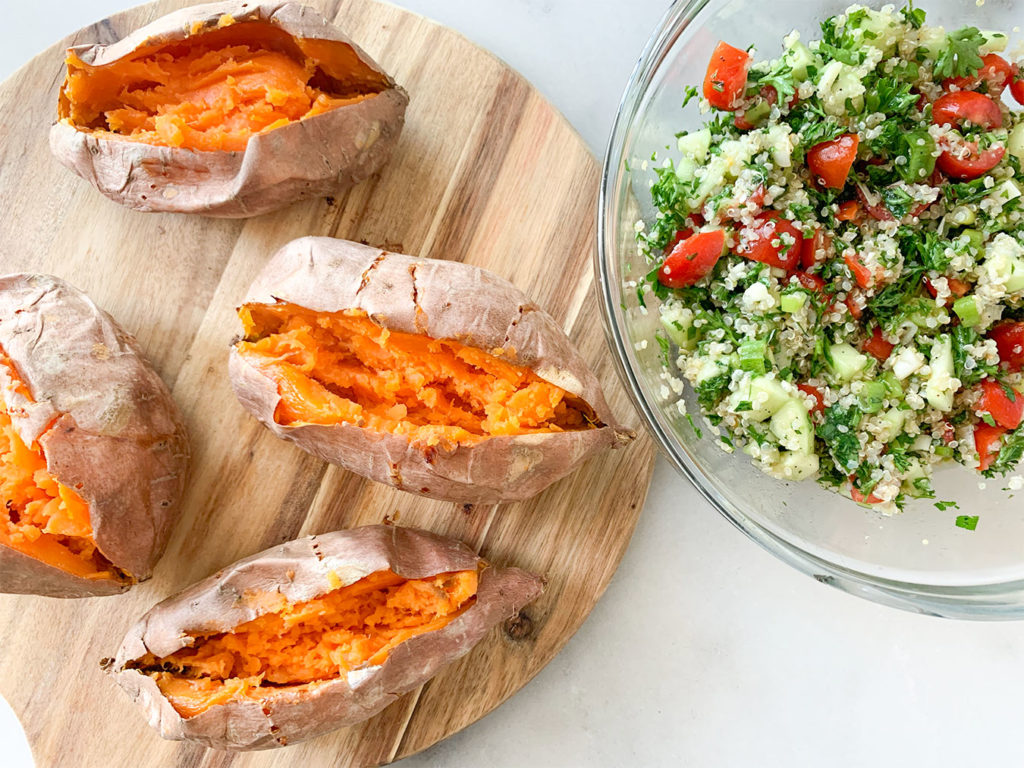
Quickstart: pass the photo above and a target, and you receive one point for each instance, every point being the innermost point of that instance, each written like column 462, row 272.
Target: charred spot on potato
column 344, row 368
column 41, row 517
column 301, row 644
column 213, row 90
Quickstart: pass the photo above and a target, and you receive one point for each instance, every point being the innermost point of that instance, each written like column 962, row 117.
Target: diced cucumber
column 838, row 83
column 695, row 146
column 1004, row 262
column 1015, row 142
column 962, row 215
column 710, row 368
column 872, row 396
column 800, row 57
column 994, row 42
column 933, row 40
column 791, row 424
column 882, row 30
column 892, row 424
column 764, row 396
column 929, row 319
column 678, row 325
column 796, row 466
column 893, row 388
column 941, row 384
column 966, row 307
column 758, row 113
column 751, row 354
column 793, row 302
column 847, row 362
column 712, row 178
column 1005, row 192
column 975, row 239
column 686, row 169
column 912, row 477
column 777, row 140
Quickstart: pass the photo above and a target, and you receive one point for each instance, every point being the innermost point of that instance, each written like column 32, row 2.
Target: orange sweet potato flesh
column 351, row 627
column 41, row 517
column 214, row 90
column 337, row 367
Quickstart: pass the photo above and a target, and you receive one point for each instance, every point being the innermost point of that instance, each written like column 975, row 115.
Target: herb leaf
column 961, row 57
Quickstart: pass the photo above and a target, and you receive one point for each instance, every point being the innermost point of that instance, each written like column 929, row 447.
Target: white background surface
column 705, row 650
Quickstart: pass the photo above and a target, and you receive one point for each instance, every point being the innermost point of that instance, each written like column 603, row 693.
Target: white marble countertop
column 705, row 651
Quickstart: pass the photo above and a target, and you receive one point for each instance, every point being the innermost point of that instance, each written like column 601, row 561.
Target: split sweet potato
column 93, row 453
column 228, row 109
column 312, row 635
column 435, row 377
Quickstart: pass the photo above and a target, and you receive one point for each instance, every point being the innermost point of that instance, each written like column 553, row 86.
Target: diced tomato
column 855, row 309
column 819, row 398
column 986, row 442
column 692, row 259
column 877, row 346
column 766, row 245
column 726, row 79
column 859, row 497
column 996, row 73
column 677, row 238
column 1009, row 338
column 810, row 282
column 955, row 108
column 863, row 275
column 848, row 211
column 1017, row 84
column 821, row 240
column 971, row 165
column 957, row 288
column 757, row 196
column 997, row 403
column 830, row 161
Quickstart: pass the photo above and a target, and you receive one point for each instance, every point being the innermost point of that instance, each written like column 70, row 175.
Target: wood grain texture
column 486, row 172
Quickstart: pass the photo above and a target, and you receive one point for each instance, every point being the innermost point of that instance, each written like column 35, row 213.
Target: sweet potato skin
column 316, row 156
column 107, row 425
column 302, row 570
column 444, row 300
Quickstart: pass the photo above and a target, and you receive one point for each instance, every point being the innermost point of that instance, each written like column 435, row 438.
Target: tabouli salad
column 838, row 255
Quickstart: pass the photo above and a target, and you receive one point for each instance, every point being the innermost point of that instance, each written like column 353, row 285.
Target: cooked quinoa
column 838, row 255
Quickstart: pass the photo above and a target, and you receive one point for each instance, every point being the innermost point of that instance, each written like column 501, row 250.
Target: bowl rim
column 997, row 600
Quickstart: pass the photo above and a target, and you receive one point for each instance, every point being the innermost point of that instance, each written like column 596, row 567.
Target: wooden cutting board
column 486, row 172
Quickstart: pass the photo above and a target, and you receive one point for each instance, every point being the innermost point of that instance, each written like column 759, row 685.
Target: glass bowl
column 919, row 560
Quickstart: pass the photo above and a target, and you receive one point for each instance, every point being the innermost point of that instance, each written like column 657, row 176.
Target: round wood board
column 486, row 172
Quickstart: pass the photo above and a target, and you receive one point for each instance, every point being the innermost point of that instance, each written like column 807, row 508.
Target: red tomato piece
column 877, row 346
column 986, row 442
column 859, row 497
column 1017, row 84
column 1009, row 338
column 957, row 288
column 819, row 398
column 692, row 259
column 996, row 73
column 997, row 403
column 971, row 165
column 726, row 79
column 810, row 282
column 848, row 211
column 865, row 277
column 830, row 162
column 855, row 309
column 955, row 108
column 820, row 241
column 766, row 245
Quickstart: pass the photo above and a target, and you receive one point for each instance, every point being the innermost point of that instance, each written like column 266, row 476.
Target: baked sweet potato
column 93, row 453
column 435, row 377
column 312, row 635
column 229, row 109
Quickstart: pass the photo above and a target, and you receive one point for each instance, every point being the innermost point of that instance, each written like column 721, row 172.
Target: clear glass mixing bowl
column 919, row 560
